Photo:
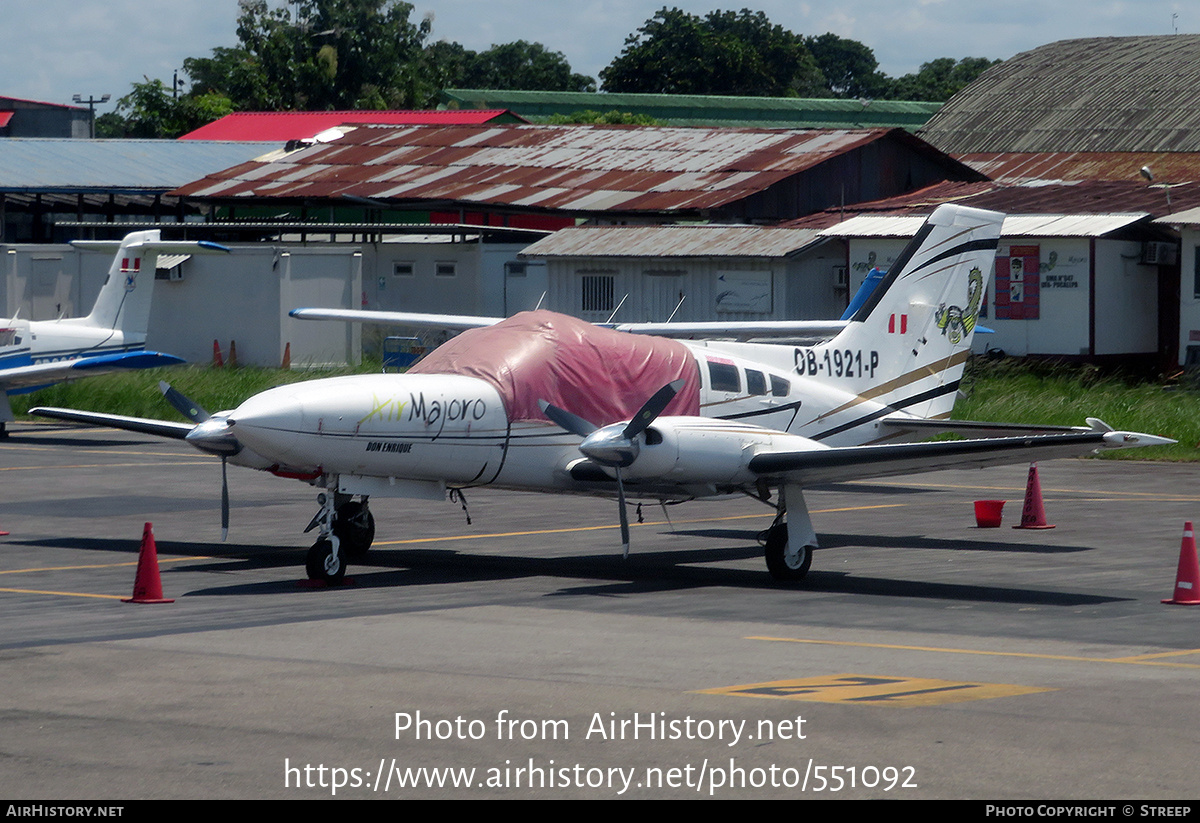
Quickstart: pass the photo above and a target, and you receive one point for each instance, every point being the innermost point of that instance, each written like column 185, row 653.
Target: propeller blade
column 652, row 408
column 624, row 516
column 564, row 419
column 187, row 407
column 224, row 502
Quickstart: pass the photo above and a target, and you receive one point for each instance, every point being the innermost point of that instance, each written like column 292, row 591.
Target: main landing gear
column 789, row 542
column 346, row 531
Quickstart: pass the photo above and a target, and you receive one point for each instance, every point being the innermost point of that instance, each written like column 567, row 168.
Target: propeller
column 615, row 446
column 211, row 435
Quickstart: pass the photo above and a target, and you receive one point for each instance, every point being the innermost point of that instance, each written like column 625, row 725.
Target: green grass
column 1008, row 391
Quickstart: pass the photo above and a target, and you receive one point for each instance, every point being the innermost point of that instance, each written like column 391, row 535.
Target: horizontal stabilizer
column 56, row 371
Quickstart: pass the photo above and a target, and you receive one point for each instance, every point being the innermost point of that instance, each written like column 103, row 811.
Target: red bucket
column 987, row 513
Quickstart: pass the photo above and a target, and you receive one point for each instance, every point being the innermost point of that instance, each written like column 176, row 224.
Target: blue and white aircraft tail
column 39, row 353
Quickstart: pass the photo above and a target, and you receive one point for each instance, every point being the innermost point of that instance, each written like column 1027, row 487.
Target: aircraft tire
column 781, row 566
column 318, row 563
column 355, row 535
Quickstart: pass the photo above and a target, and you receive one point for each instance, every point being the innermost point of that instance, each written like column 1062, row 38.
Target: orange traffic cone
column 147, row 586
column 3, row 533
column 232, row 353
column 218, row 361
column 1187, row 579
column 287, row 356
column 1033, row 514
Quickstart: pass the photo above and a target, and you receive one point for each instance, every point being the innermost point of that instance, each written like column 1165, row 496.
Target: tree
column 940, row 79
column 849, row 67
column 522, row 65
column 724, row 52
column 152, row 110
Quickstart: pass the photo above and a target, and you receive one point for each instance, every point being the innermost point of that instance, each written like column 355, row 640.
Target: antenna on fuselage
column 618, row 308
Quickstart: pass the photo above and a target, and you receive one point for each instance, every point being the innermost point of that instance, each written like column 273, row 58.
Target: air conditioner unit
column 1155, row 253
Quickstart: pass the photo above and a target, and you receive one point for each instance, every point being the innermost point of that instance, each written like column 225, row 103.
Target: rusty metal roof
column 673, row 241
column 1175, row 167
column 1092, row 197
column 281, row 126
column 567, row 168
column 1098, row 94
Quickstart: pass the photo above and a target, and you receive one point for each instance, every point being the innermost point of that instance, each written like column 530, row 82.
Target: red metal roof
column 282, row 126
column 574, row 168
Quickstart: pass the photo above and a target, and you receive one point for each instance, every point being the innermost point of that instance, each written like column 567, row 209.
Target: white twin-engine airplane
column 39, row 353
column 545, row 402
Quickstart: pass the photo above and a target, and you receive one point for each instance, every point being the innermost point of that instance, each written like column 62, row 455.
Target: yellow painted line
column 873, row 690
column 1143, row 660
column 63, row 594
column 648, row 523
column 103, row 465
column 161, row 560
column 961, row 487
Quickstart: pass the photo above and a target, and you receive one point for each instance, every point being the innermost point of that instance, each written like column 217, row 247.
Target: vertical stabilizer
column 124, row 301
column 906, row 346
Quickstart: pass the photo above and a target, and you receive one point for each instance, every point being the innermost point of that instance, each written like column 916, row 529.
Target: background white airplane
column 38, row 353
column 545, row 402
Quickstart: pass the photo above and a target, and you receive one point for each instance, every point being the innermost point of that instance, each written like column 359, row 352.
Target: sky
column 51, row 50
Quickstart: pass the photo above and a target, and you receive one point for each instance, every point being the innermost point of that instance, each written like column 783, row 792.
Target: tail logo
column 130, row 269
column 956, row 322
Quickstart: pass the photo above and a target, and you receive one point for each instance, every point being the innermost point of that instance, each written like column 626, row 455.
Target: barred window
column 598, row 292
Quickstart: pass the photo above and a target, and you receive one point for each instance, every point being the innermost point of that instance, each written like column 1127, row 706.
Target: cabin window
column 756, row 383
column 724, row 377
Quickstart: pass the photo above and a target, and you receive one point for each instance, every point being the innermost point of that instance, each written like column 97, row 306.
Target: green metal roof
column 705, row 110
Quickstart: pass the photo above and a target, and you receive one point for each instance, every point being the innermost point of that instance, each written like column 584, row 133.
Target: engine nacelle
column 706, row 450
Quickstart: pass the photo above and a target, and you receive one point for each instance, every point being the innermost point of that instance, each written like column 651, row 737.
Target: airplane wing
column 57, row 371
column 805, row 329
column 976, row 428
column 453, row 322
column 835, row 465
column 143, row 425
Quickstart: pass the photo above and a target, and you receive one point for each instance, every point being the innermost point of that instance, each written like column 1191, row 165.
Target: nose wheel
column 325, row 563
column 354, row 525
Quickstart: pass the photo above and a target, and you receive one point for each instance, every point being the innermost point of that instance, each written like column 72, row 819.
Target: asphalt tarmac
column 519, row 656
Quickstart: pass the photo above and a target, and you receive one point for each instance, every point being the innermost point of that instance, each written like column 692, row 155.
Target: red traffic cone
column 147, row 586
column 287, row 356
column 1033, row 514
column 218, row 361
column 1187, row 579
column 232, row 354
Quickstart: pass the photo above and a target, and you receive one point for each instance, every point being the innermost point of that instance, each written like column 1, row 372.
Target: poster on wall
column 743, row 291
column 1018, row 283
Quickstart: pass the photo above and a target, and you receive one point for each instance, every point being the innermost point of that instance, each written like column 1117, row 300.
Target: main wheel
column 354, row 526
column 322, row 565
column 786, row 562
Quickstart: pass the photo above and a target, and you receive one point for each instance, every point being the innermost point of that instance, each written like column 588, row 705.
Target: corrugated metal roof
column 1099, row 94
column 1084, row 197
column 707, row 110
column 281, row 126
column 1176, row 167
column 580, row 168
column 30, row 164
column 1015, row 225
column 672, row 241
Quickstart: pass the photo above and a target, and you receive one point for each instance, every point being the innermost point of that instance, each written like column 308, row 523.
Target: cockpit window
column 724, row 377
column 780, row 387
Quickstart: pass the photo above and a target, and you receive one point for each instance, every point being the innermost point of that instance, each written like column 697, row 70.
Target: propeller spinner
column 616, row 445
column 211, row 435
